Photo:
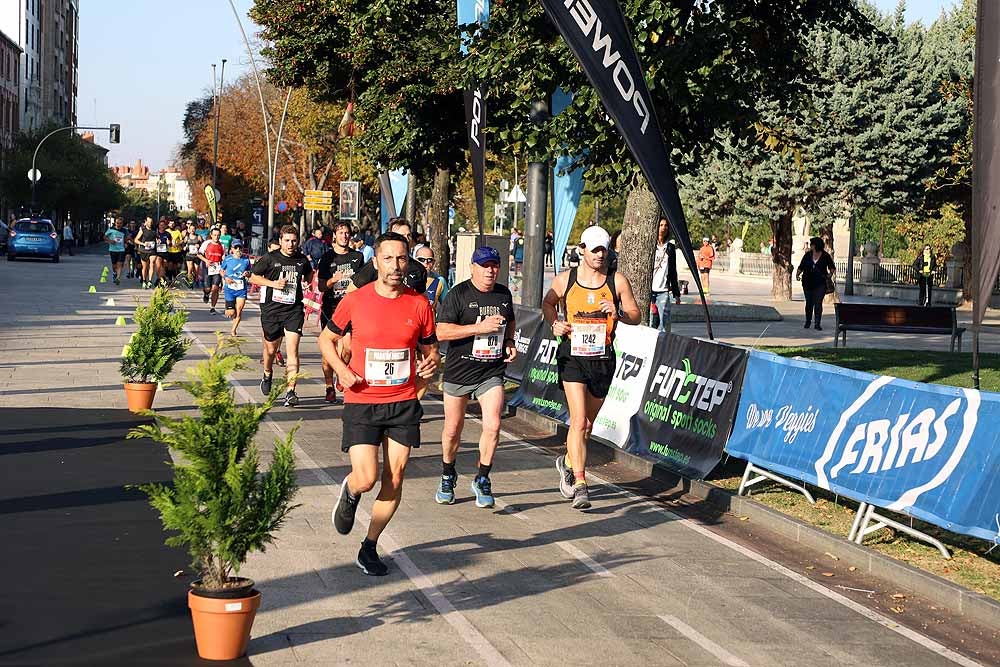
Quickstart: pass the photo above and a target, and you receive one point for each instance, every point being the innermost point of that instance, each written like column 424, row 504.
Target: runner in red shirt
column 393, row 343
column 212, row 253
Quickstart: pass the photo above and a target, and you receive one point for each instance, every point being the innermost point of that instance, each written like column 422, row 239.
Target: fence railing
column 889, row 271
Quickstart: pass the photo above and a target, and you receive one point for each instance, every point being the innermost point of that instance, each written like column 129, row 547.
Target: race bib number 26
column 387, row 368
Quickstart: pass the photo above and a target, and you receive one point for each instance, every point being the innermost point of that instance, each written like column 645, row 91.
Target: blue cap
column 236, row 243
column 484, row 255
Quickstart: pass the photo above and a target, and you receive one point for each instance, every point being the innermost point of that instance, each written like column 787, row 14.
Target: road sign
column 34, row 175
column 258, row 215
column 318, row 200
column 281, row 206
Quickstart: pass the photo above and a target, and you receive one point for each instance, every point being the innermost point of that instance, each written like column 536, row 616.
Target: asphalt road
column 532, row 582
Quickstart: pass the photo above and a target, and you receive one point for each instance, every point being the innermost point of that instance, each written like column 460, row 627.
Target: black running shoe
column 213, row 311
column 344, row 511
column 291, row 398
column 370, row 563
column 204, row 297
column 265, row 385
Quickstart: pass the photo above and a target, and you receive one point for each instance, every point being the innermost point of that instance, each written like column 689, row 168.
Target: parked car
column 33, row 237
column 4, row 235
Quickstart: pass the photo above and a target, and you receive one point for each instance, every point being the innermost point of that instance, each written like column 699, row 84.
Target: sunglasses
column 425, row 260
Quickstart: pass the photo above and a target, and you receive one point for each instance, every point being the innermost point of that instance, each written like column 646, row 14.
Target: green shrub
column 158, row 342
column 220, row 505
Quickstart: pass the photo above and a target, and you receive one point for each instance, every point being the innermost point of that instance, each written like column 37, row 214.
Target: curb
column 976, row 607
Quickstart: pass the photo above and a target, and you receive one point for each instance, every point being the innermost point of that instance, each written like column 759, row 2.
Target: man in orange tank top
column 583, row 307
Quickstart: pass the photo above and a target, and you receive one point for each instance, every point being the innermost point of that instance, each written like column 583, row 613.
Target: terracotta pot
column 140, row 395
column 222, row 624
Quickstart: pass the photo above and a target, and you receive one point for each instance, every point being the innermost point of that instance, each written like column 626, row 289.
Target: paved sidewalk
column 533, row 582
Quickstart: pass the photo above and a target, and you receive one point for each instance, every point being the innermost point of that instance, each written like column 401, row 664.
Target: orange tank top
column 593, row 329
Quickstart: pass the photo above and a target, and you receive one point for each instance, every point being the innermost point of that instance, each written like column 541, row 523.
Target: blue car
column 33, row 237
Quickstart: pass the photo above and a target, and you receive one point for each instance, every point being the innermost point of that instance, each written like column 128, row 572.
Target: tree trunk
column 411, row 199
column 781, row 256
column 437, row 235
column 637, row 244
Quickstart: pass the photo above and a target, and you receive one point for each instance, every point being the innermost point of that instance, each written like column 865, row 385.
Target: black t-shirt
column 274, row 266
column 474, row 359
column 415, row 278
column 147, row 236
column 814, row 273
column 349, row 262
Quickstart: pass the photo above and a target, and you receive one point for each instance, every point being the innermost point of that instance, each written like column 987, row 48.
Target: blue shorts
column 231, row 296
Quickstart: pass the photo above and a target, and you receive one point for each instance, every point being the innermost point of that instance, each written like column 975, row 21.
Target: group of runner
column 379, row 346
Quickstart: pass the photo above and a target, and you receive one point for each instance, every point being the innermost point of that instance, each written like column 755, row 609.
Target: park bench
column 891, row 318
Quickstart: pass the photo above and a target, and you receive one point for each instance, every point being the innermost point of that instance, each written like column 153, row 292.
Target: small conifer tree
column 220, row 506
column 158, row 342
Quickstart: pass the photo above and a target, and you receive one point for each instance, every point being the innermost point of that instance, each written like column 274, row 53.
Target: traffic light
column 116, row 133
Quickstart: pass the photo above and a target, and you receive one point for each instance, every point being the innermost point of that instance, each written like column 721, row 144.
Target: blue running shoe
column 446, row 490
column 484, row 491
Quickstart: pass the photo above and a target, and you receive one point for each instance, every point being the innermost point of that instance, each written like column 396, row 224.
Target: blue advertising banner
column 925, row 450
column 567, row 187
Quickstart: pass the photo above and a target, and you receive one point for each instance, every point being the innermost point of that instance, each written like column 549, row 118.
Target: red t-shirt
column 384, row 337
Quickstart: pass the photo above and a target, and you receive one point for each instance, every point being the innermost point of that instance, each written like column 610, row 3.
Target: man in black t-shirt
column 280, row 274
column 416, row 275
column 336, row 268
column 477, row 318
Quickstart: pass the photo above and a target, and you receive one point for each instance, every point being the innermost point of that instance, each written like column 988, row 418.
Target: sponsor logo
column 477, row 116
column 586, row 19
column 629, row 366
column 921, row 446
column 521, row 342
column 687, row 388
column 546, row 353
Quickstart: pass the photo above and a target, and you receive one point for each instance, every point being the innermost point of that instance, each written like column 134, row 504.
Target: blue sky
column 142, row 61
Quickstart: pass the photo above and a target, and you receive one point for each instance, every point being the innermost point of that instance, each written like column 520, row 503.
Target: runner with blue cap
column 477, row 319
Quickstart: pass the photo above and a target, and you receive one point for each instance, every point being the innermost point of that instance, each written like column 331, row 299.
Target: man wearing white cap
column 583, row 307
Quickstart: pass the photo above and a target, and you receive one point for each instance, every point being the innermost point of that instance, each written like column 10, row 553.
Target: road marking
column 884, row 621
column 701, row 640
column 573, row 551
column 489, row 654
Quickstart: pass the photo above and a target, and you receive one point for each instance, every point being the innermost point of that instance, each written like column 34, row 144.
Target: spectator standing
column 665, row 282
column 815, row 270
column 925, row 265
column 706, row 257
column 68, row 240
column 315, row 247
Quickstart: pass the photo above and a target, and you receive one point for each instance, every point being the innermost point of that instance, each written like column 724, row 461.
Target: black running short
column 144, row 256
column 275, row 324
column 175, row 257
column 117, row 257
column 368, row 423
column 595, row 373
column 213, row 281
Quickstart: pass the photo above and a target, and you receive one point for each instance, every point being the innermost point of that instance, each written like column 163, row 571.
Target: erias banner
column 925, row 450
column 596, row 32
column 689, row 404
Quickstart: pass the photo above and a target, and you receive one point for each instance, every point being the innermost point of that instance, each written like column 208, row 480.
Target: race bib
column 192, row 249
column 161, row 247
column 149, row 245
column 587, row 340
column 213, row 269
column 487, row 347
column 387, row 368
column 287, row 295
column 235, row 285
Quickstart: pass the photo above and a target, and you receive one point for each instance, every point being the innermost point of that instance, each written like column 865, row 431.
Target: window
column 34, row 226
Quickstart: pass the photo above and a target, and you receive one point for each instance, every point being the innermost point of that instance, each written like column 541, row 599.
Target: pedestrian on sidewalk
column 665, row 285
column 706, row 257
column 68, row 241
column 477, row 318
column 393, row 342
column 583, row 307
column 925, row 265
column 816, row 271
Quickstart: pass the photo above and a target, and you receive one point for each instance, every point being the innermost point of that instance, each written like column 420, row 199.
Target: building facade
column 47, row 32
column 10, row 92
column 170, row 183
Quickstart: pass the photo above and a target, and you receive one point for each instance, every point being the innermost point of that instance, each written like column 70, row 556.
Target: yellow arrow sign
column 318, row 194
column 316, row 206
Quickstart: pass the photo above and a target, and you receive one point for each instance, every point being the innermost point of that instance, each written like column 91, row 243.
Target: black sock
column 484, row 469
column 368, row 545
column 448, row 469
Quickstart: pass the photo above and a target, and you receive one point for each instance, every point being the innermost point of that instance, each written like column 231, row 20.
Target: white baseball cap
column 595, row 237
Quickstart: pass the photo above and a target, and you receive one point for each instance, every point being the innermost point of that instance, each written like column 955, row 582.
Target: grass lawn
column 969, row 566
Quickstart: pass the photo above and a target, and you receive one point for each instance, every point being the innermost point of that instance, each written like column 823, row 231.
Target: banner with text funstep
column 317, row 200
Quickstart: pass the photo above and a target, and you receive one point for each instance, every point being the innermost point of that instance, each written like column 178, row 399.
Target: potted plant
column 156, row 346
column 220, row 505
